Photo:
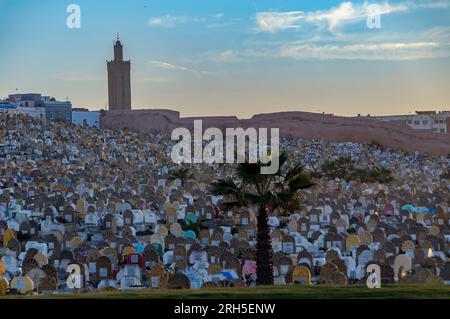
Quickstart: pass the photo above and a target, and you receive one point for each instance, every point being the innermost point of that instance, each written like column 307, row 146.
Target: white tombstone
column 401, row 261
column 161, row 183
column 176, row 183
column 350, row 263
column 279, row 281
column 319, row 243
column 198, row 256
column 125, row 206
column 150, row 217
column 13, row 224
column 227, row 237
column 360, row 271
column 181, row 214
column 312, row 249
column 276, row 245
column 42, row 247
column 168, row 257
column 10, row 263
column 138, row 217
column 365, row 257
column 91, row 219
column 119, row 220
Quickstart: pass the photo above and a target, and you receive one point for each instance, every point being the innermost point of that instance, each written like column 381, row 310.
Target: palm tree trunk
column 264, row 270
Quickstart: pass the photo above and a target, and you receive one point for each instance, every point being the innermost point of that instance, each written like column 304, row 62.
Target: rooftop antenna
column 117, row 36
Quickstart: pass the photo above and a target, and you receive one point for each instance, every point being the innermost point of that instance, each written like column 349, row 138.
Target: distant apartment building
column 35, row 103
column 10, row 108
column 26, row 100
column 58, row 111
column 437, row 122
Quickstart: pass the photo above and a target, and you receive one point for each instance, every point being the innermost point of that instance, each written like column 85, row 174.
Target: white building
column 36, row 112
column 86, row 118
column 436, row 122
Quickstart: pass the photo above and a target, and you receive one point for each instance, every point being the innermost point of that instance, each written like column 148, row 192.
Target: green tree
column 249, row 188
column 341, row 168
column 345, row 168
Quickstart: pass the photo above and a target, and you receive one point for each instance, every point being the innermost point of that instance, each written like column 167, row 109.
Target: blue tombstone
column 138, row 247
column 189, row 234
column 191, row 218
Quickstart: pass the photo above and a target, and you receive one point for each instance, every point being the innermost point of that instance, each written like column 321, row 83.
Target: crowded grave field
column 262, row 292
column 88, row 212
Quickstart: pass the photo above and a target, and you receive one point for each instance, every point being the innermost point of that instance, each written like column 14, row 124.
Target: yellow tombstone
column 434, row 230
column 58, row 234
column 23, row 284
column 41, row 259
column 3, row 285
column 408, row 245
column 301, row 274
column 157, row 277
column 366, row 238
column 128, row 250
column 420, row 218
column 75, row 242
column 163, row 232
column 2, row 268
column 81, row 206
column 7, row 236
column 176, row 230
column 214, row 269
column 352, row 242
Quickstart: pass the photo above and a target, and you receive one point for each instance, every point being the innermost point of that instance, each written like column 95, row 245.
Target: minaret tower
column 119, row 83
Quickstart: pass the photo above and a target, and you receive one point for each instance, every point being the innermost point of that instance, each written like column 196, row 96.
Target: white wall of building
column 30, row 111
column 86, row 118
column 436, row 123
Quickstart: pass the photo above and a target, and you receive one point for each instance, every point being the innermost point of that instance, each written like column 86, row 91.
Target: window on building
column 425, row 122
column 416, row 122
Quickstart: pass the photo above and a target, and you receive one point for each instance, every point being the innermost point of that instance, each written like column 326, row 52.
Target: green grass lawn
column 274, row 292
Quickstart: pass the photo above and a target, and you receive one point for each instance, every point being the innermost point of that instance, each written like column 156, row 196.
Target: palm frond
column 226, row 186
column 250, row 173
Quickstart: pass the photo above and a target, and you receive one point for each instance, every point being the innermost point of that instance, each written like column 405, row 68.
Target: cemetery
column 90, row 212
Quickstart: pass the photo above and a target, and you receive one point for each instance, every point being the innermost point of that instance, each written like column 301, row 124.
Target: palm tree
column 249, row 188
column 183, row 174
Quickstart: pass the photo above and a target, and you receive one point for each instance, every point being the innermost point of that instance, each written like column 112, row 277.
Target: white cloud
column 346, row 12
column 166, row 21
column 278, row 21
column 223, row 56
column 174, row 67
column 169, row 21
column 367, row 51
